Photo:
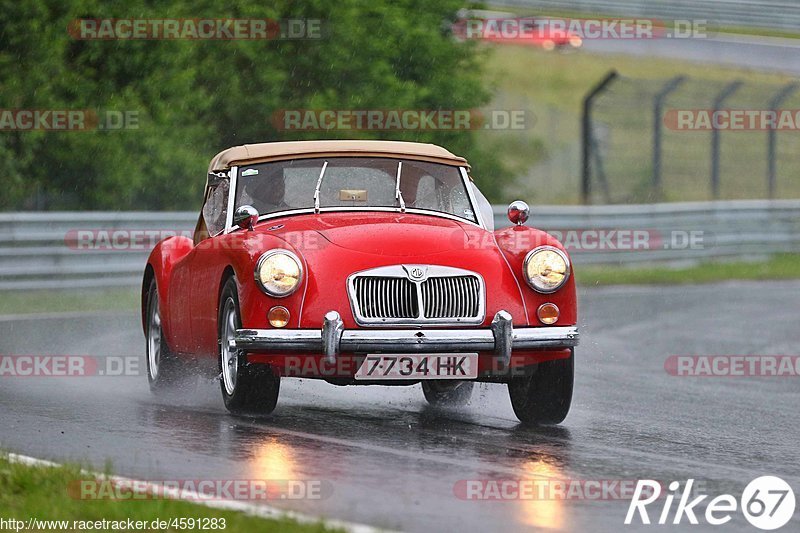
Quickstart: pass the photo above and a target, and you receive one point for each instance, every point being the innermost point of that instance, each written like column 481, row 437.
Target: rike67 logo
column 767, row 502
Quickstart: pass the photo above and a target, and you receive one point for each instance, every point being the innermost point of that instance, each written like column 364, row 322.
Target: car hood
column 408, row 234
column 334, row 246
column 374, row 233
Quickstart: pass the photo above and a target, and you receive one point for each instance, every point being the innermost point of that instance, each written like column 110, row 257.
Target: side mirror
column 245, row 217
column 518, row 212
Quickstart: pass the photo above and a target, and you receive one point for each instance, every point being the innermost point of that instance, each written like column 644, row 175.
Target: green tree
column 196, row 97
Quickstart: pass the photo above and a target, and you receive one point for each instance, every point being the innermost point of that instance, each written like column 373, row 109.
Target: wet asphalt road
column 393, row 462
column 755, row 53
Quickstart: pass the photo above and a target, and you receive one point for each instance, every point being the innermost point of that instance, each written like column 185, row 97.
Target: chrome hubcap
column 154, row 339
column 229, row 358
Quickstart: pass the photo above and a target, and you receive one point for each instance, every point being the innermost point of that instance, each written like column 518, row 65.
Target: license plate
column 416, row 366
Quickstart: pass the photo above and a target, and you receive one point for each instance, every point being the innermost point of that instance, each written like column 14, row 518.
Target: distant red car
column 507, row 28
column 360, row 262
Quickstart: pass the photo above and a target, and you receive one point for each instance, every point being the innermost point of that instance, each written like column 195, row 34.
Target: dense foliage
column 195, row 97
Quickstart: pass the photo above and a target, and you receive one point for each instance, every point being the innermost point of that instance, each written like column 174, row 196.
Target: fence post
column 586, row 181
column 658, row 105
column 723, row 95
column 776, row 101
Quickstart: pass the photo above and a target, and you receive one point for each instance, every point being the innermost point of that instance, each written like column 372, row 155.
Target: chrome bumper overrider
column 333, row 339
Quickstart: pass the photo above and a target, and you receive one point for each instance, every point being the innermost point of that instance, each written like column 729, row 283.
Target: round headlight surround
column 540, row 249
column 266, row 256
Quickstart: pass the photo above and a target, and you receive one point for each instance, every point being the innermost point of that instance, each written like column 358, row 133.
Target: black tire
column 545, row 396
column 254, row 388
column 164, row 369
column 450, row 393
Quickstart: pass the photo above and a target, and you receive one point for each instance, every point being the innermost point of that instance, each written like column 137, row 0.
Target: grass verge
column 782, row 266
column 45, row 301
column 41, row 493
column 543, row 158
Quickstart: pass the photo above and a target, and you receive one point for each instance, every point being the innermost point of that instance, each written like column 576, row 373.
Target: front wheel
column 163, row 367
column 545, row 396
column 247, row 389
column 453, row 393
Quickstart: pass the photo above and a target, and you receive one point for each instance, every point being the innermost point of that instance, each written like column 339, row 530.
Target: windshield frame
column 465, row 180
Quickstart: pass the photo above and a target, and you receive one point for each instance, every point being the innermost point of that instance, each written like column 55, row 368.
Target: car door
column 192, row 276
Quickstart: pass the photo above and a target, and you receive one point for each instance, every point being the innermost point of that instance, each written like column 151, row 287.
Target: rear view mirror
column 518, row 212
column 246, row 217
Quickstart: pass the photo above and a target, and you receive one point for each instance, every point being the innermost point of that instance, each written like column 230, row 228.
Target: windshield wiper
column 319, row 184
column 398, row 194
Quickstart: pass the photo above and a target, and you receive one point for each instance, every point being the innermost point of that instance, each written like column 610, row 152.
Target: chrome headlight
column 546, row 269
column 279, row 272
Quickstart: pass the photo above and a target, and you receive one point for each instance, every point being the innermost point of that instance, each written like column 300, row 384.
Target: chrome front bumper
column 501, row 338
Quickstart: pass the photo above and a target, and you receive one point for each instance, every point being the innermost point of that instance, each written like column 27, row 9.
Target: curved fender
column 515, row 243
column 162, row 260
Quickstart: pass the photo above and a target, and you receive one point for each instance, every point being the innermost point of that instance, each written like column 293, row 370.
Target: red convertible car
column 360, row 262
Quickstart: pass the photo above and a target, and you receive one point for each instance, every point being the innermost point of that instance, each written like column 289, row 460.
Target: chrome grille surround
column 417, row 295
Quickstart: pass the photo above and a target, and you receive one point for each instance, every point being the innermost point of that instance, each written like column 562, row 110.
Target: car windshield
column 353, row 182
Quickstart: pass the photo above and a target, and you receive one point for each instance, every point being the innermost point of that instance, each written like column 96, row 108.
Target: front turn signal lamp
column 548, row 313
column 278, row 316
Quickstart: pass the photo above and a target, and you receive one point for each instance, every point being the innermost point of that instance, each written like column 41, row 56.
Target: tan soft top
column 262, row 152
column 278, row 151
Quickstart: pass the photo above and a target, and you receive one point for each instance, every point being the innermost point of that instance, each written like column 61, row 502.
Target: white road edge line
column 261, row 511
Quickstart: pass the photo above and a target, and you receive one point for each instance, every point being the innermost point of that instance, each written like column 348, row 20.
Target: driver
column 266, row 194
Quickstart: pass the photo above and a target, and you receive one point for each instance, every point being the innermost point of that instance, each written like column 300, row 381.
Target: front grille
column 451, row 297
column 387, row 296
column 382, row 297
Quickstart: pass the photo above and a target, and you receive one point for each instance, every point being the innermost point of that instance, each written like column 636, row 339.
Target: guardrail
column 44, row 250
column 673, row 233
column 770, row 14
column 80, row 250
